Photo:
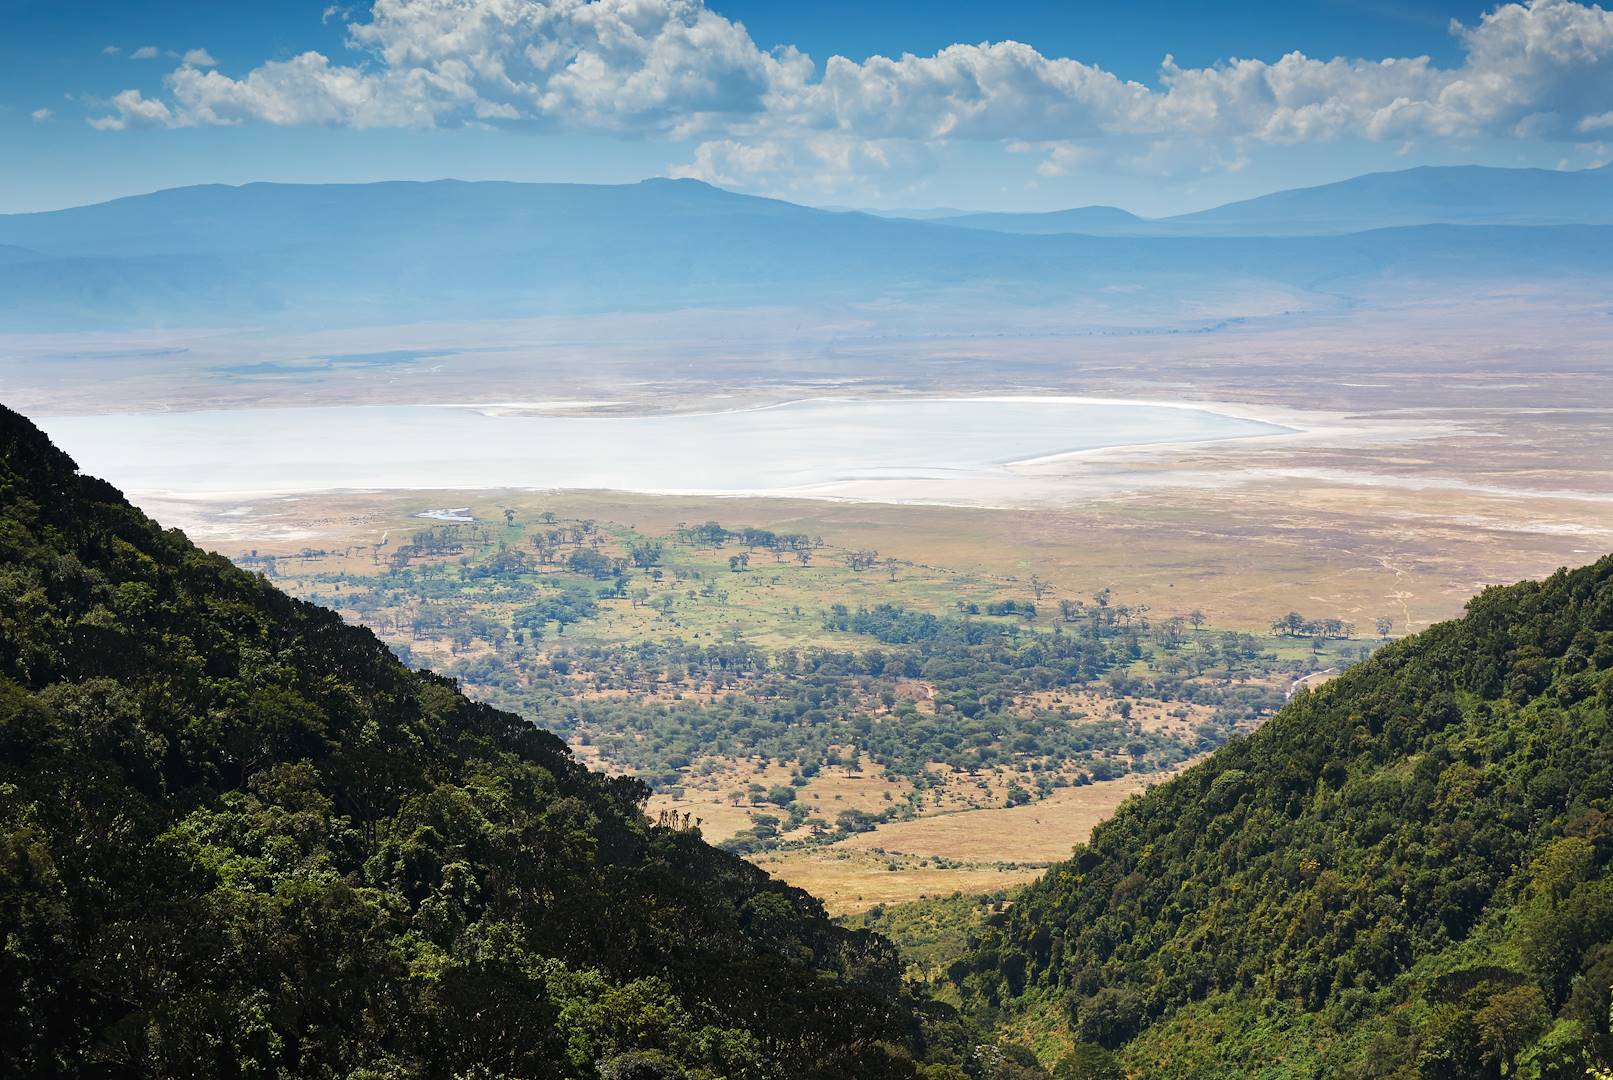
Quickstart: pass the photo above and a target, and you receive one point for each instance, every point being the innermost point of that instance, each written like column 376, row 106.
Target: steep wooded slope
column 1405, row 873
column 238, row 838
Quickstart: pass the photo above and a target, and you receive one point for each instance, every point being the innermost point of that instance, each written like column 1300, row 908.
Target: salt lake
column 799, row 447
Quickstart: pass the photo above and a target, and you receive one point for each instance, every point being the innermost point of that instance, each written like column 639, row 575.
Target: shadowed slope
column 237, row 837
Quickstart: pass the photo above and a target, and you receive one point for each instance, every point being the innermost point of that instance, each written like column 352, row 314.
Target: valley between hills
column 1398, row 509
column 1390, row 498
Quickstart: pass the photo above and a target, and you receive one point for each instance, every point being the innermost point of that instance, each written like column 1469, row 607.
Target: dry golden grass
column 848, row 881
column 834, row 789
column 969, row 851
column 1039, row 832
column 1155, row 716
column 1242, row 554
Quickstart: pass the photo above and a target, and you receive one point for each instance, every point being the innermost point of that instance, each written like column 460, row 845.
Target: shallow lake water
column 800, row 446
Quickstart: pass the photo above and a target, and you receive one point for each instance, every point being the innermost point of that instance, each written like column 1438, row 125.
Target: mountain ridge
column 332, row 255
column 1424, row 195
column 1427, row 194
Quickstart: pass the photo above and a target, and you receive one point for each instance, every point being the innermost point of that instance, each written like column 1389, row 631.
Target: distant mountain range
column 311, row 255
column 1433, row 195
column 1455, row 195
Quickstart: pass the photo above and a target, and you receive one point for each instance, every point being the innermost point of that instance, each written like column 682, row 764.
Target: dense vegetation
column 820, row 706
column 712, row 649
column 238, row 838
column 1404, row 874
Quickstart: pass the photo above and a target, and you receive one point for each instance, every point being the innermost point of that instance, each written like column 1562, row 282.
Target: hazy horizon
column 927, row 212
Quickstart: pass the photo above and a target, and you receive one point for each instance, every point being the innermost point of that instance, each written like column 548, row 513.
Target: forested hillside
column 1404, row 874
column 238, row 838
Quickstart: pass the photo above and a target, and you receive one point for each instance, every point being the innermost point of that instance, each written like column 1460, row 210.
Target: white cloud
column 1541, row 69
column 627, row 66
column 133, row 109
column 1058, row 158
column 41, row 115
column 818, row 164
column 110, row 50
column 198, row 58
column 144, row 52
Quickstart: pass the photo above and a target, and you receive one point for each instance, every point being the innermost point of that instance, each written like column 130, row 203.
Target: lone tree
column 1040, row 589
column 1385, row 624
column 1196, row 617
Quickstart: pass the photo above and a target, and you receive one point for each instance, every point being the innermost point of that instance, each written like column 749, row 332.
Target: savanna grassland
column 1399, row 509
column 871, row 726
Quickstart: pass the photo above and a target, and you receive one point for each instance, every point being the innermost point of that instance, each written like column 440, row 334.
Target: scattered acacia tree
column 645, row 554
column 861, row 560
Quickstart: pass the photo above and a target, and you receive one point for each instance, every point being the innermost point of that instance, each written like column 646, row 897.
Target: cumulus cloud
column 817, row 163
column 41, row 115
column 110, row 50
column 144, row 52
column 633, row 67
column 198, row 58
column 132, row 109
column 1539, row 69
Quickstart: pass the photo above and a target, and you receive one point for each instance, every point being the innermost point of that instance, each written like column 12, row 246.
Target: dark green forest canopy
column 237, row 837
column 1405, row 873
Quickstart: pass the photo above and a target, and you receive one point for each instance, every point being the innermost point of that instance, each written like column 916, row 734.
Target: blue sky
column 102, row 99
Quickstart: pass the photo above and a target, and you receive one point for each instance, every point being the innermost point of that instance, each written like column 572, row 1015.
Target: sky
column 1019, row 105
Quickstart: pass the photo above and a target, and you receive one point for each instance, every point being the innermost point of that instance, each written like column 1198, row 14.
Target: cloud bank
column 674, row 69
